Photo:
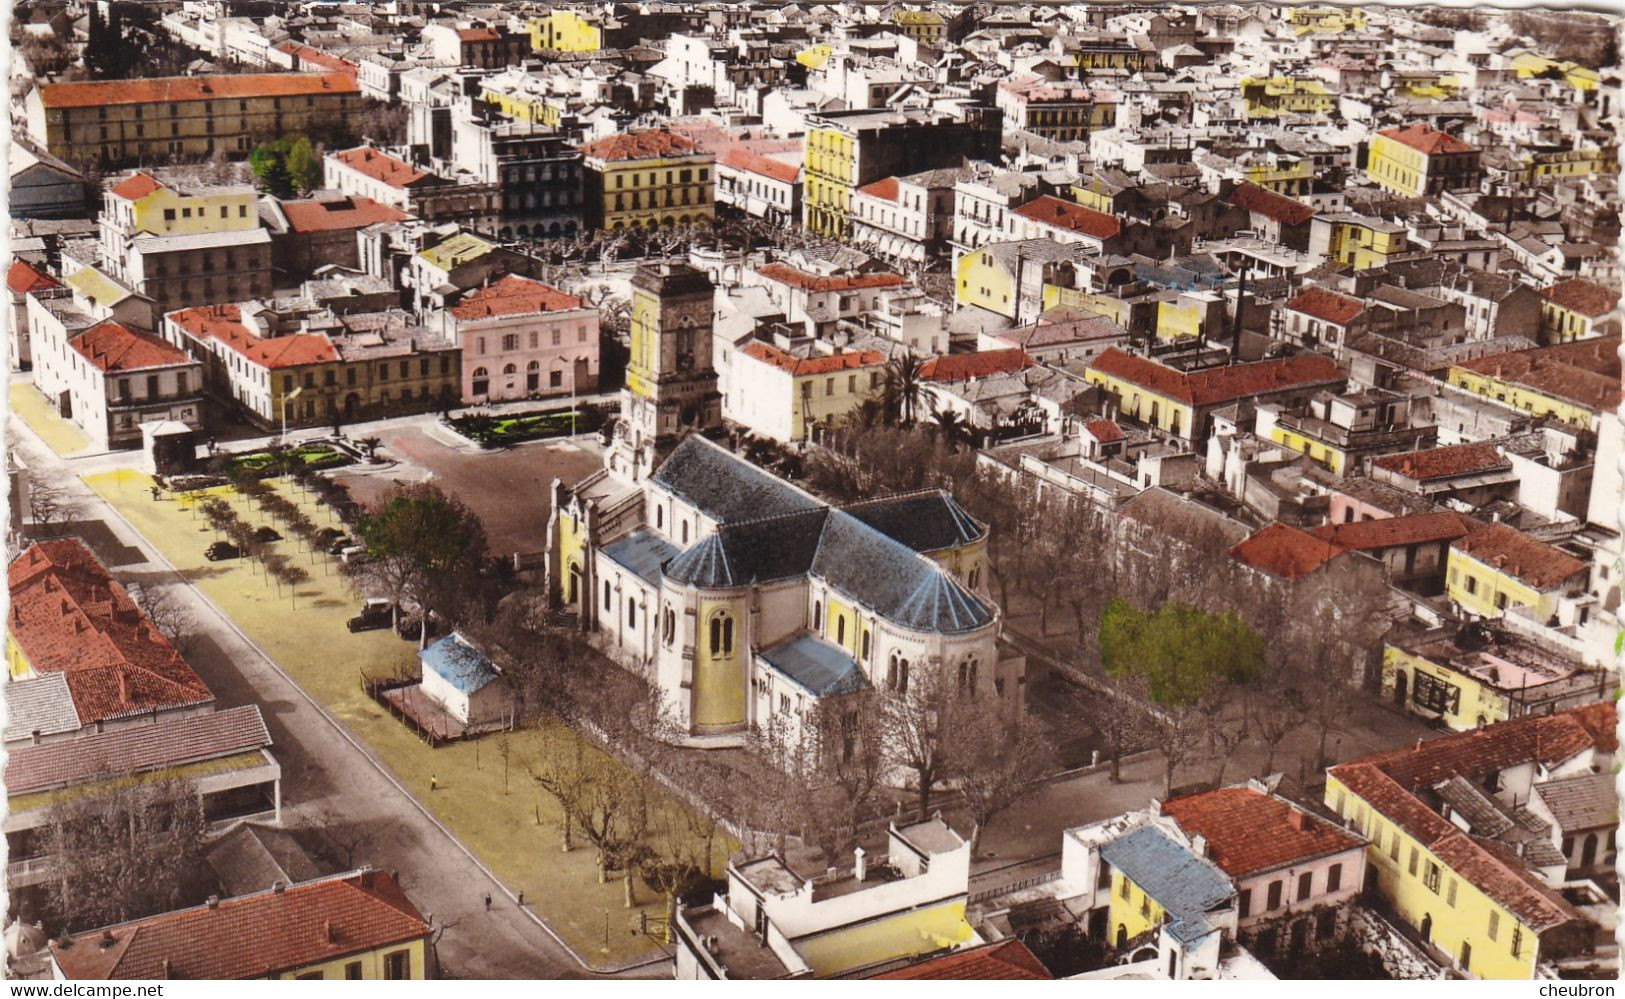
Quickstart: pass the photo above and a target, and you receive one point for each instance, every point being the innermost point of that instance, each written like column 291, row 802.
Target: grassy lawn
column 528, row 426
column 514, row 830
column 58, row 434
column 317, row 456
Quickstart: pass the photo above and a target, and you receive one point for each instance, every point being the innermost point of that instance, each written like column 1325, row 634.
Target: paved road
column 327, row 781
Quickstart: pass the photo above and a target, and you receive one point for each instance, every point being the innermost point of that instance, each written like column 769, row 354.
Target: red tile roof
column 1510, row 551
column 68, row 615
column 1392, row 532
column 22, row 278
column 335, row 214
column 1005, row 961
column 1283, row 550
column 645, row 145
column 960, row 367
column 1391, row 781
column 252, row 936
column 1071, row 216
column 136, row 186
column 1585, row 372
column 246, row 86
column 165, row 744
column 1104, row 431
column 1427, row 140
column 1582, row 296
column 224, row 323
column 822, row 364
column 1276, row 207
column 513, row 296
column 380, row 166
column 478, row 34
column 1250, row 832
column 1442, row 462
column 1214, row 386
column 112, row 349
column 309, row 57
column 801, row 279
column 885, row 189
column 740, row 158
column 1036, row 89
column 1327, row 305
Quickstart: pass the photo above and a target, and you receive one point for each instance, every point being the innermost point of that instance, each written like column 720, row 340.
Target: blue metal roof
column 1184, row 884
column 818, row 667
column 643, row 553
column 458, row 663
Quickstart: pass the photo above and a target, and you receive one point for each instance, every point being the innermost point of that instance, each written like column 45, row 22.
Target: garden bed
column 495, row 431
column 266, row 463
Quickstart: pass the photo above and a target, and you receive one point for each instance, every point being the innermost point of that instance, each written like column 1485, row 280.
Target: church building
column 742, row 598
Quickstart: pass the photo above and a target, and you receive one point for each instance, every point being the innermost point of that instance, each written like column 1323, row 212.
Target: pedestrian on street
column 434, row 783
column 487, row 901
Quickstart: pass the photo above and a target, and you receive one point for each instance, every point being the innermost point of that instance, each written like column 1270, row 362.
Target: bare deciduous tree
column 163, row 607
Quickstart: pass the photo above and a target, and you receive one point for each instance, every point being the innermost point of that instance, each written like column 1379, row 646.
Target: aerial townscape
column 767, row 490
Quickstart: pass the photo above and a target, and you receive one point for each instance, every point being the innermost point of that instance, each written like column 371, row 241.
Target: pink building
column 523, row 340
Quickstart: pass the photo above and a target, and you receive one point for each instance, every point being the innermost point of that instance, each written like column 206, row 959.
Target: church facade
column 743, row 599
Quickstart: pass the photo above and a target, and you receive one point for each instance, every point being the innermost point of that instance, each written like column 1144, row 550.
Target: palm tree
column 904, row 389
column 950, row 426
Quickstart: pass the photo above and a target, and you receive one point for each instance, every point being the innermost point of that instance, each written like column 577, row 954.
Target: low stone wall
column 1400, row 958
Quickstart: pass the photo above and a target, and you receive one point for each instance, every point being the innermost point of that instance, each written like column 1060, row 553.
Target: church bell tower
column 671, row 385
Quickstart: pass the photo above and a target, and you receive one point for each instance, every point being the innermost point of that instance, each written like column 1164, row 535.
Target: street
column 328, row 780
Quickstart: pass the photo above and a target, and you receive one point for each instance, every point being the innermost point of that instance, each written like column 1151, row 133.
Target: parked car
column 328, row 535
column 222, row 550
column 266, row 535
column 338, row 545
column 375, row 613
column 411, row 628
column 353, row 555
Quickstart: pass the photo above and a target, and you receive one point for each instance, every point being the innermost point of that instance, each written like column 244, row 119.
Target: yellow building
column 1134, row 55
column 1191, row 314
column 115, row 121
column 1418, row 160
column 924, row 26
column 1575, row 381
column 1060, row 111
column 1497, row 567
column 1586, row 161
column 1325, row 20
column 514, row 103
column 641, row 180
column 141, row 204
column 565, row 31
column 846, row 150
column 1423, row 84
column 1360, row 241
column 1578, row 309
column 1159, row 884
column 814, row 56
column 1528, row 65
column 1115, row 309
column 1284, row 175
column 1433, row 675
column 356, row 926
column 1473, row 901
column 1277, row 95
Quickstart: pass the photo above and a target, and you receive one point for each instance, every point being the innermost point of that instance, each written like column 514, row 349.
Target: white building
column 459, row 678
column 776, row 923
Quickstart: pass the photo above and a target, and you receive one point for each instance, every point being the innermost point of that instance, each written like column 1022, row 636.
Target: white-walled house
column 522, row 339
column 459, row 678
column 774, row 922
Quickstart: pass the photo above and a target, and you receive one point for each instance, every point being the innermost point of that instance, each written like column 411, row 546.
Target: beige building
column 117, row 120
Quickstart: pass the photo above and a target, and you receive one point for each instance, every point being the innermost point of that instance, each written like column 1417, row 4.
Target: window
column 840, row 630
column 352, row 971
column 1393, row 848
column 1306, row 884
column 510, row 341
column 864, row 655
column 1466, row 956
column 1434, row 694
column 1415, row 857
column 1244, row 902
column 1123, row 888
column 1145, row 906
column 631, row 613
column 555, row 379
column 180, row 383
column 481, row 382
column 383, row 372
column 1450, row 895
column 1274, row 897
column 169, row 214
column 1326, row 924
column 784, row 704
column 1334, row 877
column 1517, row 940
column 1430, row 877
column 818, row 615
column 1495, row 924
column 668, row 626
column 398, row 965
column 1472, row 584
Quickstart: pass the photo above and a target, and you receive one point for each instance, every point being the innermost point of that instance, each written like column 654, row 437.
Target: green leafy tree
column 303, row 166
column 270, row 165
column 424, row 546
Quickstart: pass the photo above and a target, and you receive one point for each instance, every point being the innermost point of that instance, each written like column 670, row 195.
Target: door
column 1427, row 927
column 1588, row 851
column 1122, row 936
column 1400, row 683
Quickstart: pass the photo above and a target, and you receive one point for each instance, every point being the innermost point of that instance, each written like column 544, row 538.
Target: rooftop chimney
column 1300, row 820
column 214, row 901
column 279, row 886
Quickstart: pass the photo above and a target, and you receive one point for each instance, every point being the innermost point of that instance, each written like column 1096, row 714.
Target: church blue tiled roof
column 642, row 553
column 925, row 521
column 724, row 487
column 1184, row 884
column 901, row 585
column 754, row 551
column 816, row 666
